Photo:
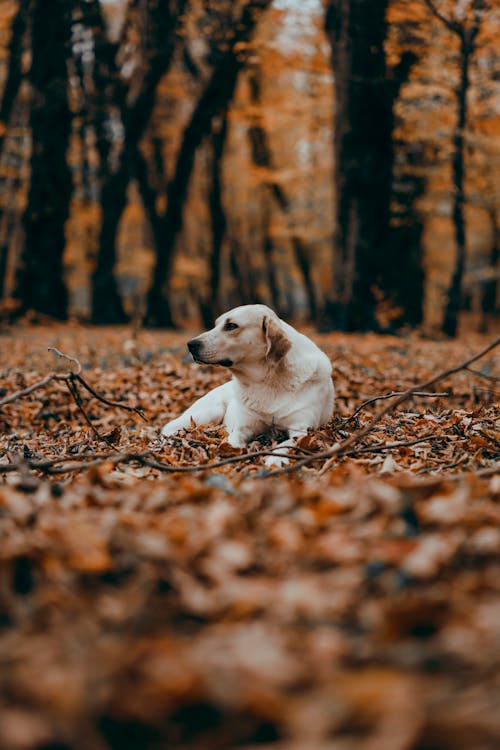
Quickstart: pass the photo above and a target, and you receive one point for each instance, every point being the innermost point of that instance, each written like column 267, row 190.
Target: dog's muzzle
column 195, row 346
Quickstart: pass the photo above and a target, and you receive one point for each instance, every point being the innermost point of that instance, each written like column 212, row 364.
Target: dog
column 280, row 379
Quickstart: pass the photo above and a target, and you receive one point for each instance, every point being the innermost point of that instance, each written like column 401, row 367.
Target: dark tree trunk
column 489, row 298
column 14, row 74
column 454, row 294
column 40, row 285
column 107, row 306
column 217, row 213
column 214, row 100
column 466, row 34
column 403, row 272
column 108, row 89
column 262, row 157
column 4, row 250
column 148, row 196
column 363, row 159
column 270, row 260
column 244, row 292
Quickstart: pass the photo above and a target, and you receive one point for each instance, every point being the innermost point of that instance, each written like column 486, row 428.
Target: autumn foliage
column 168, row 604
column 162, row 161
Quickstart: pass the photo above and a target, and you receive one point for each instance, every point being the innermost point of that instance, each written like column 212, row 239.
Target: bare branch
column 70, row 378
column 66, row 356
column 52, row 466
column 391, row 395
column 480, row 374
column 70, row 384
column 448, row 22
column 107, row 401
column 35, row 386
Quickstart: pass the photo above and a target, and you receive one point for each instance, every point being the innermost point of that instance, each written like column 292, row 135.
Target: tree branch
column 452, row 25
column 70, row 378
column 51, row 466
column 392, row 395
column 479, row 374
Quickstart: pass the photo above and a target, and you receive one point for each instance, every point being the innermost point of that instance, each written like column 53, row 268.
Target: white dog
column 280, row 379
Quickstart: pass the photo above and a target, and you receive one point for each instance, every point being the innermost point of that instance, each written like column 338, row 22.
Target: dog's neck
column 273, row 375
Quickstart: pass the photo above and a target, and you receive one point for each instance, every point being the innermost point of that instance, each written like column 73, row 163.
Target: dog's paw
column 276, row 462
column 235, row 440
column 170, row 428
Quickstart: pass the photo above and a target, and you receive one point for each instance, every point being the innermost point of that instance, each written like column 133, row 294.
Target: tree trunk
column 106, row 301
column 107, row 306
column 217, row 213
column 262, row 157
column 4, row 250
column 403, row 273
column 490, row 291
column 454, row 295
column 214, row 100
column 14, row 73
column 363, row 159
column 40, row 285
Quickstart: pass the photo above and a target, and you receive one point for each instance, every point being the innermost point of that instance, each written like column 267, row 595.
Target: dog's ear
column 277, row 343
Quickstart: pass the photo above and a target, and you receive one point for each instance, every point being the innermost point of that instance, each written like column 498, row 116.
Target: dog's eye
column 229, row 326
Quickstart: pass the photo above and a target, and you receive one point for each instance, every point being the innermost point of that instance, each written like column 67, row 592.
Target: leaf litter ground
column 355, row 606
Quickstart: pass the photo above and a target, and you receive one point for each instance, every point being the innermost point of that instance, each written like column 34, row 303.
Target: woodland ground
column 354, row 608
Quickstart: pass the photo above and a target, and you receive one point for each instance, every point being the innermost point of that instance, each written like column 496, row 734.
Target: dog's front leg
column 276, row 461
column 210, row 408
column 241, row 424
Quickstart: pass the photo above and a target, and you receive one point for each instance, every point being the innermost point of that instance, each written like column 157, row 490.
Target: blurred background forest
column 164, row 160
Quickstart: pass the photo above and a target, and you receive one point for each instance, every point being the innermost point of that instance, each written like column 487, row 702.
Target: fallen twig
column 107, row 401
column 487, row 390
column 66, row 356
column 73, row 391
column 70, row 379
column 392, row 395
column 145, row 458
column 479, row 374
column 34, row 387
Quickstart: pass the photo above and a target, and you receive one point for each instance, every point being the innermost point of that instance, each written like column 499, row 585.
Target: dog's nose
column 194, row 346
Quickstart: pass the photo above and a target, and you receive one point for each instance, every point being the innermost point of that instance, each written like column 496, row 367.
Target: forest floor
column 353, row 604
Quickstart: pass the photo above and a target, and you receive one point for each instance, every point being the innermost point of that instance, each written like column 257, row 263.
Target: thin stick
column 66, row 356
column 67, row 377
column 143, row 457
column 452, row 25
column 126, row 457
column 106, row 401
column 487, row 390
column 70, row 384
column 480, row 374
column 391, row 395
column 35, row 386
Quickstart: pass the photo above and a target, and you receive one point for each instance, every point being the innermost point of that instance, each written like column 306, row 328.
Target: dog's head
column 246, row 335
